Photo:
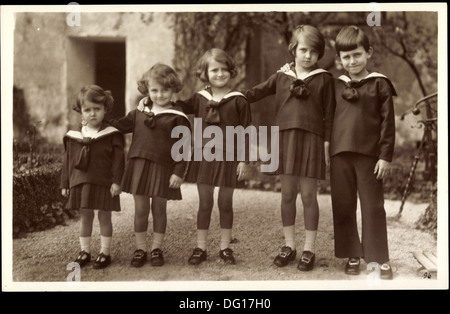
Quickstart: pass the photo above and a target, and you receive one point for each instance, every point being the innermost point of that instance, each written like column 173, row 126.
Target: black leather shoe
column 102, row 261
column 139, row 258
column 285, row 256
column 352, row 266
column 197, row 256
column 227, row 256
column 386, row 272
column 83, row 258
column 156, row 257
column 306, row 262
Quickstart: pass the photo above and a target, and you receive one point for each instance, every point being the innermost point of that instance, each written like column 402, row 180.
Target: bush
column 428, row 220
column 37, row 201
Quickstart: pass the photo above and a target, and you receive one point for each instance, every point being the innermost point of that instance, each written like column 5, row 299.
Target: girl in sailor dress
column 216, row 105
column 151, row 171
column 305, row 105
column 92, row 170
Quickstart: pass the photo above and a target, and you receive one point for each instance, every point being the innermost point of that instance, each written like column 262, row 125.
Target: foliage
column 412, row 37
column 428, row 220
column 37, row 200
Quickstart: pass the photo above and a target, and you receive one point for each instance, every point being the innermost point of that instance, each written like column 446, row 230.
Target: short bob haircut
column 95, row 94
column 164, row 75
column 218, row 55
column 313, row 37
column 350, row 38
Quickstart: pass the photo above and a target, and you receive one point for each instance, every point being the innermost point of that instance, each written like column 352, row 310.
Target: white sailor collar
column 310, row 74
column 208, row 96
column 143, row 108
column 346, row 79
column 106, row 131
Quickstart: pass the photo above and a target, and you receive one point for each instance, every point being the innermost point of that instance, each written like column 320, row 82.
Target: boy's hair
column 95, row 94
column 350, row 38
column 312, row 35
column 218, row 55
column 164, row 75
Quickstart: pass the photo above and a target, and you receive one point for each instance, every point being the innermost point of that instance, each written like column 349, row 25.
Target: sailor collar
column 141, row 107
column 77, row 135
column 347, row 79
column 310, row 74
column 205, row 93
column 350, row 91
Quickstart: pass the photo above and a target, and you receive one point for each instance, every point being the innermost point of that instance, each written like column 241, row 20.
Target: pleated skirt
column 215, row 173
column 148, row 178
column 92, row 196
column 302, row 154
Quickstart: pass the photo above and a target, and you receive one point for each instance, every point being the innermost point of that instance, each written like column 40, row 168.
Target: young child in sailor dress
column 217, row 105
column 151, row 172
column 92, row 170
column 304, row 96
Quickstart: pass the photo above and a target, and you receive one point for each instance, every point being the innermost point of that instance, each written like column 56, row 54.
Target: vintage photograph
column 224, row 147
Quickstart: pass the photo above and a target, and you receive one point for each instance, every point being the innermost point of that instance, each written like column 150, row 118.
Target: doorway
column 99, row 61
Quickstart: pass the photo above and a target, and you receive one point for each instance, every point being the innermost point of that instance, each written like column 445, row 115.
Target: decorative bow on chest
column 212, row 116
column 149, row 115
column 299, row 89
column 149, row 119
column 82, row 162
column 350, row 93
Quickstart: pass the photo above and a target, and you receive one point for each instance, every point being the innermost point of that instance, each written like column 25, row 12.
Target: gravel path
column 42, row 257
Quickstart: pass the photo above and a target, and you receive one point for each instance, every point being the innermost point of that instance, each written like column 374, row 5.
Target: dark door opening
column 110, row 73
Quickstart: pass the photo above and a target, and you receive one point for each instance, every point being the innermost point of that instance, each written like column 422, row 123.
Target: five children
column 347, row 123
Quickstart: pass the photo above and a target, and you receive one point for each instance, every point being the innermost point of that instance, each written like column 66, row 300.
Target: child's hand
column 327, row 153
column 175, row 181
column 65, row 192
column 381, row 168
column 115, row 190
column 242, row 171
column 285, row 68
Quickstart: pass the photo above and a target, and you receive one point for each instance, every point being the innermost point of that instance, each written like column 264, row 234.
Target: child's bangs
column 347, row 45
column 350, row 38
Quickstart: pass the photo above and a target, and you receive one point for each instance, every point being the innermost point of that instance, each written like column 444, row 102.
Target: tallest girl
column 305, row 106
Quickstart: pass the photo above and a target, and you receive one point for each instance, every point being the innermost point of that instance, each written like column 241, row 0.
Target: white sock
column 202, row 235
column 141, row 240
column 158, row 239
column 289, row 236
column 225, row 238
column 310, row 240
column 85, row 243
column 105, row 245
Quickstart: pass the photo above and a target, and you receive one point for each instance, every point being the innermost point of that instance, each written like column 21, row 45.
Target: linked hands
column 175, row 181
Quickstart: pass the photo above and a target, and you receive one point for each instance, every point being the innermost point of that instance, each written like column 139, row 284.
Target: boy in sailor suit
column 361, row 148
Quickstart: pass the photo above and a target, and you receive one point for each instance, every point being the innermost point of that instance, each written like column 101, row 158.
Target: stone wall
column 43, row 44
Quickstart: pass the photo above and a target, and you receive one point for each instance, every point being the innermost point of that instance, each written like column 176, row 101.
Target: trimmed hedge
column 37, row 201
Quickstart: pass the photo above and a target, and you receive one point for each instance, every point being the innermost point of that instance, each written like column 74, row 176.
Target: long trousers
column 351, row 174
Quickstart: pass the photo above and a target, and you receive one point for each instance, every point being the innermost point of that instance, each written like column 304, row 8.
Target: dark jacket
column 152, row 135
column 99, row 160
column 306, row 104
column 364, row 120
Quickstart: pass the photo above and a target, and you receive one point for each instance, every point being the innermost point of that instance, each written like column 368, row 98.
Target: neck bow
column 213, row 116
column 299, row 89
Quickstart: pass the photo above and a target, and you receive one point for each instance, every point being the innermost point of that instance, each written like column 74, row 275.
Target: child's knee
column 309, row 199
column 288, row 196
column 87, row 215
column 104, row 217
